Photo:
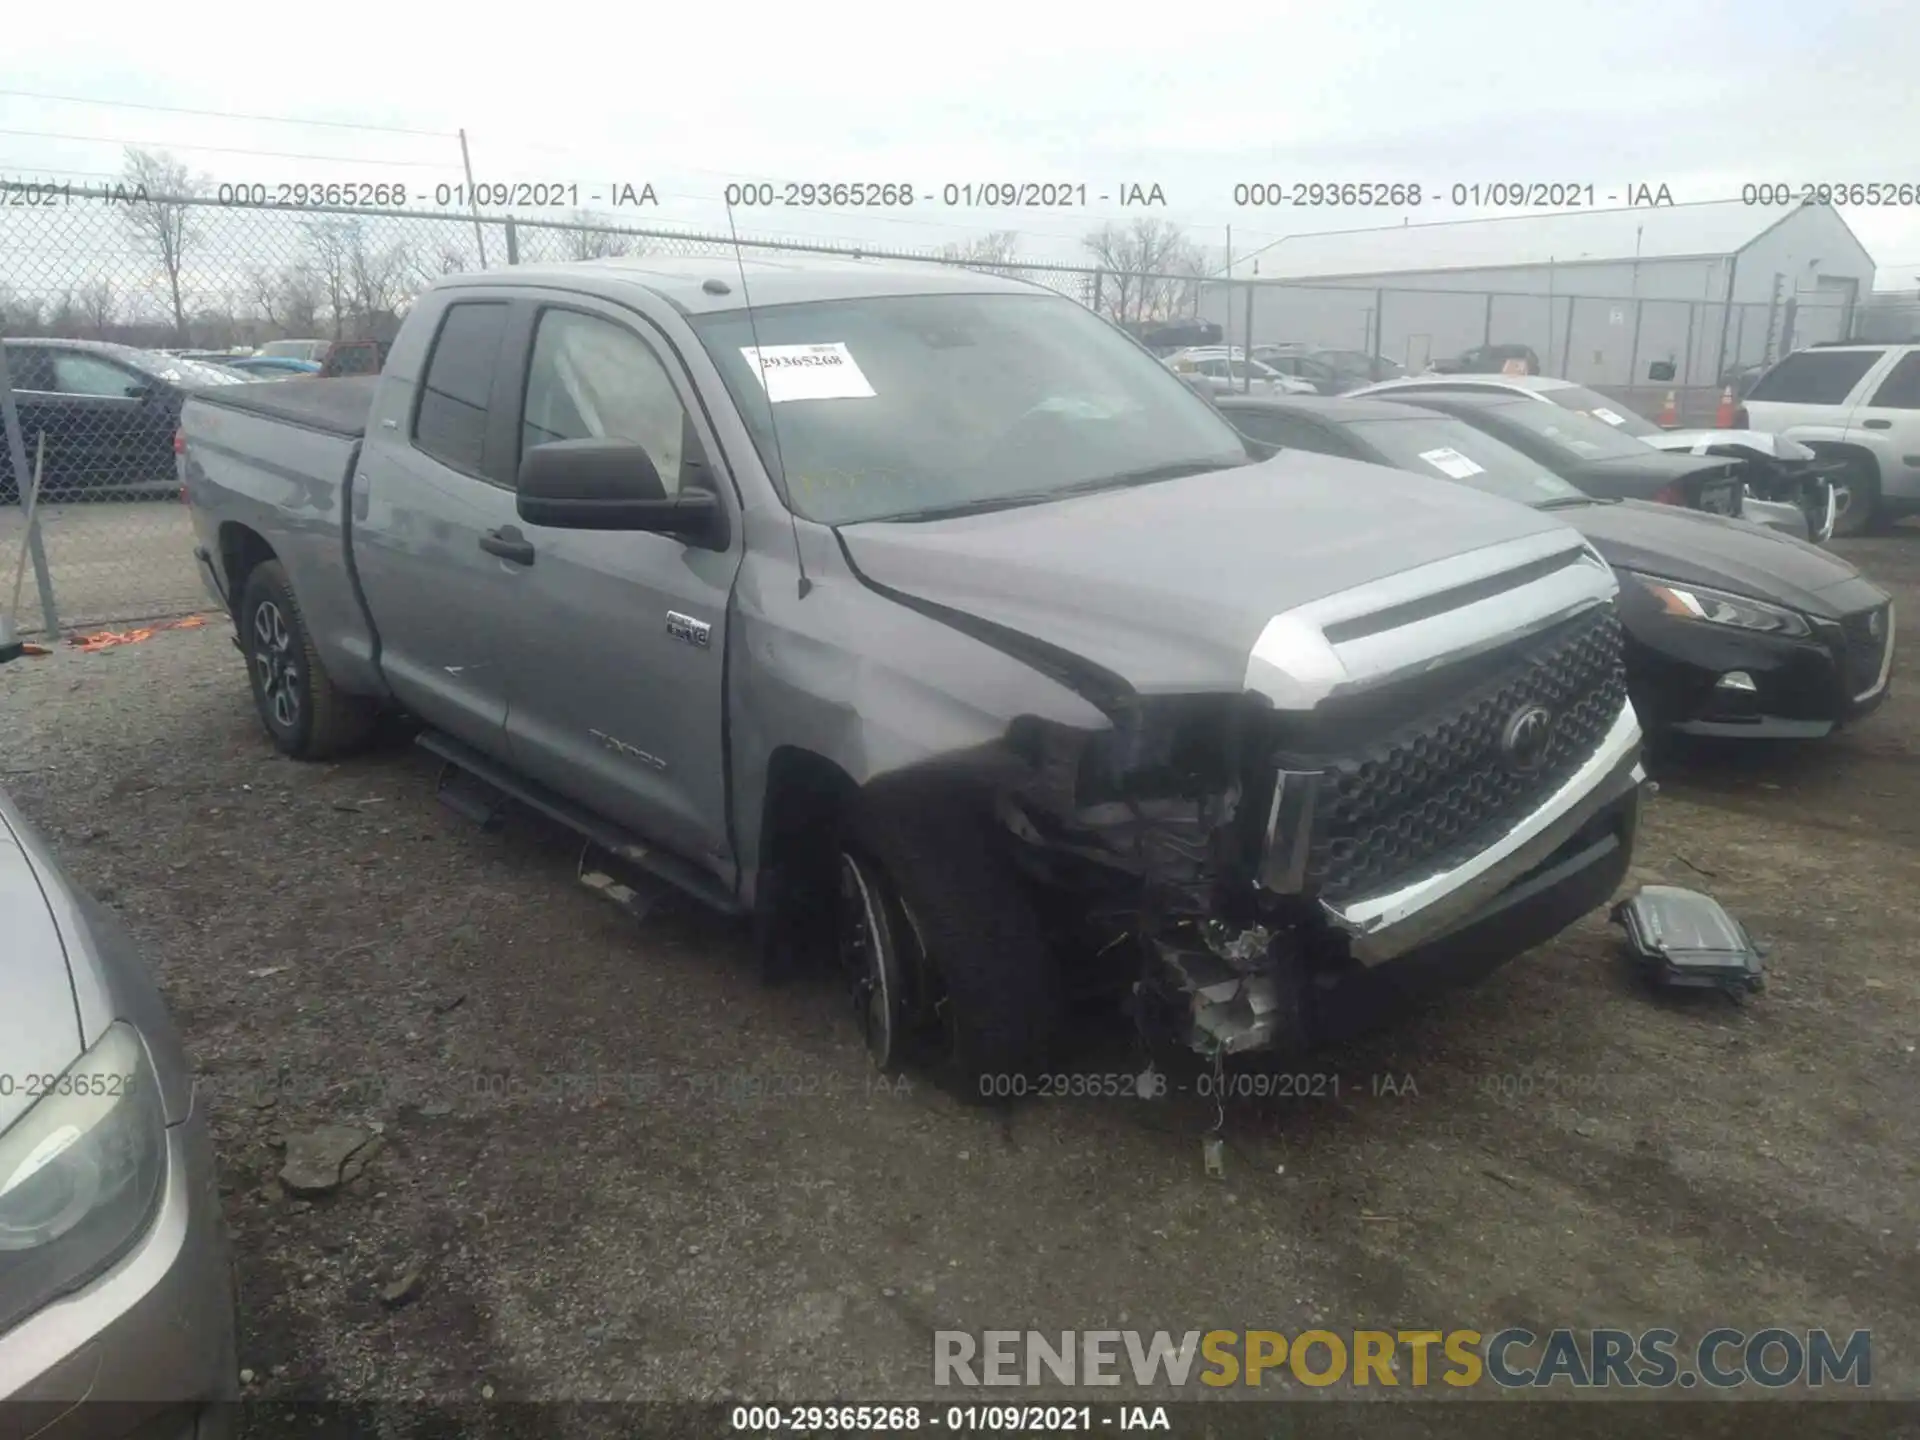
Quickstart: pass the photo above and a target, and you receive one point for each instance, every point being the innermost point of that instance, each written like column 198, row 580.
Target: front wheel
column 305, row 714
column 1856, row 500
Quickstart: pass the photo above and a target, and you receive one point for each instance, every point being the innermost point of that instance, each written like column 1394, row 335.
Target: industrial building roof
column 1709, row 228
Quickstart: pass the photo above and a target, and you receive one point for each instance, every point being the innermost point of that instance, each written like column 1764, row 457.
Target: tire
column 967, row 908
column 1865, row 513
column 305, row 714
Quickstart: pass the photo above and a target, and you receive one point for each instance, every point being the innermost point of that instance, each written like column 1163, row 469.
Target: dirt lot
column 109, row 560
column 623, row 1170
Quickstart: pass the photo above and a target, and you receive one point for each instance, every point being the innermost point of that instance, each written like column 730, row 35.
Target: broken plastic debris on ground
column 107, row 639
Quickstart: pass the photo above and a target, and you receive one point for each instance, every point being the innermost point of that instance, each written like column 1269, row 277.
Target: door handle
column 1876, row 424
column 509, row 544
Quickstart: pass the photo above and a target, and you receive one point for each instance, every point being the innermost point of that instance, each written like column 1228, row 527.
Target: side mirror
column 1660, row 370
column 141, row 390
column 612, row 485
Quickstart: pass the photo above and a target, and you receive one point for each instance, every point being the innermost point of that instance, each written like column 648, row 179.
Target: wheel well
column 241, row 550
column 806, row 795
column 1840, row 450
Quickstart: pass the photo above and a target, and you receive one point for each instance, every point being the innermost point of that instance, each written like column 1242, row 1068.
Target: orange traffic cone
column 1723, row 413
column 1669, row 415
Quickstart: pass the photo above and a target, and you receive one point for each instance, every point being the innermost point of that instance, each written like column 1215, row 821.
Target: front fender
column 866, row 684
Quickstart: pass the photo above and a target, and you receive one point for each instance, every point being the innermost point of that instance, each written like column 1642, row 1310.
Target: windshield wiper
column 1148, row 474
column 1567, row 502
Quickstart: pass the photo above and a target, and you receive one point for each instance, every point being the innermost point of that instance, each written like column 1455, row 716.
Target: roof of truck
column 782, row 279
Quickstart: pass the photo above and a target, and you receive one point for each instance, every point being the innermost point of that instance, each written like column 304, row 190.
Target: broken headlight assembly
column 80, row 1172
column 1717, row 607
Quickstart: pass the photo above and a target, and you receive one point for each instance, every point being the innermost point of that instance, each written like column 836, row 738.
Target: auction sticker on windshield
column 1612, row 417
column 1452, row 463
column 807, row 372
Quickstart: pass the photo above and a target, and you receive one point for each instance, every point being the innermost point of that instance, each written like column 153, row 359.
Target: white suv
column 1856, row 402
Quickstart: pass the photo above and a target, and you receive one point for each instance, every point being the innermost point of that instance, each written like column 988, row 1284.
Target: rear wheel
column 305, row 714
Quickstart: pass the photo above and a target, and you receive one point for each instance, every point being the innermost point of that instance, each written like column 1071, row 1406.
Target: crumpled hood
column 39, row 1022
column 1735, row 555
column 1169, row 585
column 1761, row 442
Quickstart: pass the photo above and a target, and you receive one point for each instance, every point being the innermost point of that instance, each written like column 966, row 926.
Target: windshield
column 1583, row 401
column 887, row 406
column 1579, row 437
column 1441, row 445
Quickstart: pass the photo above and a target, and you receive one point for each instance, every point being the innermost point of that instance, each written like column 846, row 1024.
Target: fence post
column 1633, row 355
column 1097, row 274
column 22, row 477
column 1686, row 355
column 1566, row 341
column 1486, row 333
column 1246, row 365
column 513, row 242
column 1379, row 304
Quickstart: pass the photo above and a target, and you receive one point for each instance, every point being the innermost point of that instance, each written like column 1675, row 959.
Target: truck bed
column 337, row 407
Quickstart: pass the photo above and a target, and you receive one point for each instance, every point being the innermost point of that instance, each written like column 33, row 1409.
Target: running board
column 659, row 864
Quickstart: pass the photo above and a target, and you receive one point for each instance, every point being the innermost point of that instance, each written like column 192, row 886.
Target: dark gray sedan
column 116, row 1282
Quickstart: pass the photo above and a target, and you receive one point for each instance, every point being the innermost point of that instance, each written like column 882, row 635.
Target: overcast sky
column 1701, row 98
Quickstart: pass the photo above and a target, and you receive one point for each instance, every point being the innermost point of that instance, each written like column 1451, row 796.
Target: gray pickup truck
column 927, row 620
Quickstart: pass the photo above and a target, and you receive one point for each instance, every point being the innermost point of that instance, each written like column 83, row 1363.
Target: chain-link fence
column 185, row 283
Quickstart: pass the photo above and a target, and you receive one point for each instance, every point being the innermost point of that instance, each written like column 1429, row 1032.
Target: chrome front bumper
column 1385, row 926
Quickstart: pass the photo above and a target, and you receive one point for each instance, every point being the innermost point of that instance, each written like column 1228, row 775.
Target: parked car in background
column 354, row 357
column 1587, row 452
column 273, row 367
column 1731, row 629
column 1227, row 374
column 314, row 350
column 935, row 692
column 1858, row 404
column 116, row 1279
column 1331, row 372
column 1787, row 486
column 1489, row 360
column 108, row 412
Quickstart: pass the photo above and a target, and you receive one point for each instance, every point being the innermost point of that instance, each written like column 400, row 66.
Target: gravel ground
column 610, row 1165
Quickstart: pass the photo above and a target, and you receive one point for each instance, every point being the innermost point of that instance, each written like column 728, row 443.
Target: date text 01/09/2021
column 962, row 1419
column 1477, row 194
column 968, row 195
column 397, row 195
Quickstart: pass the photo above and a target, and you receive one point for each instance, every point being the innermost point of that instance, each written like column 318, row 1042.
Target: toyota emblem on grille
column 1524, row 742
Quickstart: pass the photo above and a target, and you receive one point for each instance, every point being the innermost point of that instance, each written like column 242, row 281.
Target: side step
column 599, row 834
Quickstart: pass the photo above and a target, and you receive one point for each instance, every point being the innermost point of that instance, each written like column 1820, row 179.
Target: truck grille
column 1866, row 649
column 1434, row 790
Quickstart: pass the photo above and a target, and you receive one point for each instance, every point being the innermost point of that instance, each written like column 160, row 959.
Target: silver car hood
column 39, row 1019
column 1172, row 586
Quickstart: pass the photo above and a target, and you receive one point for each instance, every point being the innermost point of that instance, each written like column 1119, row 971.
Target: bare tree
column 99, row 305
column 994, row 252
column 378, row 282
column 159, row 221
column 593, row 241
column 19, row 314
column 331, row 242
column 1153, row 269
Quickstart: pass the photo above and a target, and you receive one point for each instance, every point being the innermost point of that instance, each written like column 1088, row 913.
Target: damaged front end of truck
column 1398, row 763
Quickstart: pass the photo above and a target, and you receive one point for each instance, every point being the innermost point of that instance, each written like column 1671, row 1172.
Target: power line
column 227, row 114
column 231, row 150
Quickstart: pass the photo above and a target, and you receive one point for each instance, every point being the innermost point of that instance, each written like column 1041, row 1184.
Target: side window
column 28, row 368
column 1901, row 389
column 451, row 421
column 77, row 373
column 1815, row 377
column 593, row 379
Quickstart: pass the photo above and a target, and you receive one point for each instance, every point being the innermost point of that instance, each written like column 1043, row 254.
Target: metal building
column 1602, row 296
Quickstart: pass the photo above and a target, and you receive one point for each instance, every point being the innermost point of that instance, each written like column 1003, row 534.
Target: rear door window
column 1901, row 389
column 1816, row 377
column 450, row 422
